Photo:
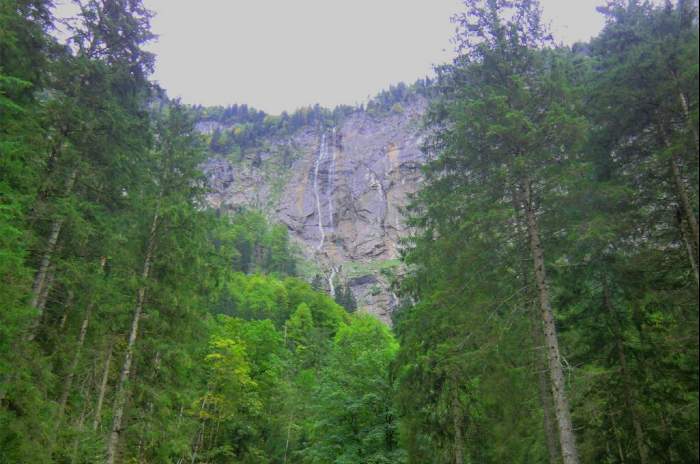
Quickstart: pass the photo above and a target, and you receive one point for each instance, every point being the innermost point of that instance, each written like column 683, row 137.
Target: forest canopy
column 548, row 288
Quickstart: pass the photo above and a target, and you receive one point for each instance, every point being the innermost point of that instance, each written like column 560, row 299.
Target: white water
column 325, row 191
column 331, row 278
column 319, row 158
column 326, row 150
column 331, row 177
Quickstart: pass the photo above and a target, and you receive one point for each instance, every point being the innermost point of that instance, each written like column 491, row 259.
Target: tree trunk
column 120, row 392
column 693, row 128
column 630, row 396
column 618, row 443
column 148, row 413
column 684, row 200
column 567, row 440
column 81, row 421
column 688, row 120
column 686, row 208
column 286, row 442
column 537, row 340
column 691, row 253
column 66, row 310
column 200, row 431
column 74, row 363
column 103, row 388
column 78, row 350
column 198, row 442
column 547, row 413
column 40, row 277
column 545, row 395
column 680, row 222
column 45, row 291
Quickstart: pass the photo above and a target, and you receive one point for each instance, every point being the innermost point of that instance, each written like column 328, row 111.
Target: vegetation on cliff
column 550, row 298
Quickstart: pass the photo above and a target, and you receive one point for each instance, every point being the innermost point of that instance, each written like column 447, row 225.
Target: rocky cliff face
column 339, row 190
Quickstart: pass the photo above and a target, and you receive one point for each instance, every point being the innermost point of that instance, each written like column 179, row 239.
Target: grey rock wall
column 339, row 191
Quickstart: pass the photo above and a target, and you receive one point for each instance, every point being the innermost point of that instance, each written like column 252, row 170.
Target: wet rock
column 339, row 192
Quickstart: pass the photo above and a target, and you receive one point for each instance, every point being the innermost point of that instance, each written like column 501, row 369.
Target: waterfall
column 325, row 190
column 319, row 159
column 326, row 155
column 331, row 277
column 395, row 299
column 331, row 178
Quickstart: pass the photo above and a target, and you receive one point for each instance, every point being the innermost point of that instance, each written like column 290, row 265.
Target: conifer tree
column 511, row 129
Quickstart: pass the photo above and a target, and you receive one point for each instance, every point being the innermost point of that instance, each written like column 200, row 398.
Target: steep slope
column 339, row 189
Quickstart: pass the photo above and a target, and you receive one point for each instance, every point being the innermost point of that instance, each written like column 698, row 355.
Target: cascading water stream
column 331, row 278
column 319, row 158
column 319, row 190
column 331, row 178
column 325, row 191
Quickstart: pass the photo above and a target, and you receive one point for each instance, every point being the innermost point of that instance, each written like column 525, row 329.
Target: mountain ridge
column 338, row 183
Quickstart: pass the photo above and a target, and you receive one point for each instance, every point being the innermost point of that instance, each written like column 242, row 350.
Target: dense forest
column 549, row 292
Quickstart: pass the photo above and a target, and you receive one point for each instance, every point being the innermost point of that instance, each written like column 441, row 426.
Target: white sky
column 279, row 55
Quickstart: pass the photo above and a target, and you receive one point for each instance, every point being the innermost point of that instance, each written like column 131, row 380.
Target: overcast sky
column 279, row 55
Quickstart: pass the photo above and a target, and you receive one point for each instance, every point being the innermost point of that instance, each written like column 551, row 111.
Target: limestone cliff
column 338, row 189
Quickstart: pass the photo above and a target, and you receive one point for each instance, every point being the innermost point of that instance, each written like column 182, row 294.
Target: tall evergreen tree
column 511, row 135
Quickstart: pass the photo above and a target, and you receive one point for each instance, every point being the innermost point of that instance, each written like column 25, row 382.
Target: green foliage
column 238, row 129
column 616, row 235
column 259, row 246
column 345, row 298
column 359, row 268
column 393, row 99
column 128, row 307
column 262, row 374
column 354, row 417
column 298, row 329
